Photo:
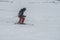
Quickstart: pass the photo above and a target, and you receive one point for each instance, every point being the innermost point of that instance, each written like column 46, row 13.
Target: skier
column 21, row 16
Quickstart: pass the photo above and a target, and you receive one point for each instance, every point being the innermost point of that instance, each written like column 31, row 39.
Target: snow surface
column 45, row 17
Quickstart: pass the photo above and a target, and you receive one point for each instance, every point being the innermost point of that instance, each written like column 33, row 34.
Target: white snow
column 44, row 16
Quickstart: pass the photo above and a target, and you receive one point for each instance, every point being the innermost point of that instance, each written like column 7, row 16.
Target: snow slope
column 44, row 16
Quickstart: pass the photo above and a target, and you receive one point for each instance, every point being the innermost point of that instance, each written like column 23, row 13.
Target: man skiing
column 21, row 16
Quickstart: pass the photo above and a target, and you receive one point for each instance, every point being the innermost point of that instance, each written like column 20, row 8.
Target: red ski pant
column 21, row 19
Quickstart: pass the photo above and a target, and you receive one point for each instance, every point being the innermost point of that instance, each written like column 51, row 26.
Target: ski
column 24, row 24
